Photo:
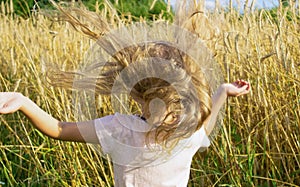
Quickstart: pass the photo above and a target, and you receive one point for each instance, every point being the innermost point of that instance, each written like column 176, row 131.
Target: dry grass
column 259, row 144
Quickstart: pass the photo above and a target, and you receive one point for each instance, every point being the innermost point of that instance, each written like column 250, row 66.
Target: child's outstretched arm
column 235, row 89
column 68, row 131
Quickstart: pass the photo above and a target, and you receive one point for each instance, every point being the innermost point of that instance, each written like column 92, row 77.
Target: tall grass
column 258, row 145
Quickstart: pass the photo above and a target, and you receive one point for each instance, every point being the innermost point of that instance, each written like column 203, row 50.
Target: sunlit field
column 258, row 144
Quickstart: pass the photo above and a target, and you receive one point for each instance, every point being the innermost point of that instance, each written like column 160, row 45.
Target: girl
column 173, row 171
column 169, row 82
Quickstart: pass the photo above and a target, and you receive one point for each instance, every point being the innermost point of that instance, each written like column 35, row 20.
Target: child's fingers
column 248, row 86
column 245, row 83
column 240, row 83
column 6, row 109
column 245, row 89
column 9, row 103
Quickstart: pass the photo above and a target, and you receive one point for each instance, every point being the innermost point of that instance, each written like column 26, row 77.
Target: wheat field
column 258, row 144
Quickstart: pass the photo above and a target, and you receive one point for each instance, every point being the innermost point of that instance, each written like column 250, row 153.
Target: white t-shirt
column 135, row 164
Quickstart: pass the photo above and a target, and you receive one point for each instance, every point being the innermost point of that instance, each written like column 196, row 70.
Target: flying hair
column 185, row 95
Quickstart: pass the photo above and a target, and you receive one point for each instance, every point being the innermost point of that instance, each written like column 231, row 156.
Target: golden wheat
column 259, row 144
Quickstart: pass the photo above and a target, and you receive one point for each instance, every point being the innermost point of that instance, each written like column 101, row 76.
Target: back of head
column 178, row 96
column 163, row 67
column 170, row 86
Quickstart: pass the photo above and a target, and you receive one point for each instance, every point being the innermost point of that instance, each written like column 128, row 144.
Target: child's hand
column 237, row 88
column 10, row 102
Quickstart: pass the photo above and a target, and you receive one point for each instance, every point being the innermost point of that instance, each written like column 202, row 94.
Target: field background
column 258, row 145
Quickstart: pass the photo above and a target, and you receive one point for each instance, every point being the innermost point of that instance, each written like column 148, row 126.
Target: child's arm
column 69, row 131
column 235, row 89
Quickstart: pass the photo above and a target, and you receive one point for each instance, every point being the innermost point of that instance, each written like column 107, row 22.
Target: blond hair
column 188, row 107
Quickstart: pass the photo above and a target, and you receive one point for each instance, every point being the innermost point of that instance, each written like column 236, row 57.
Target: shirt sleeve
column 205, row 140
column 199, row 140
column 104, row 128
column 202, row 140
